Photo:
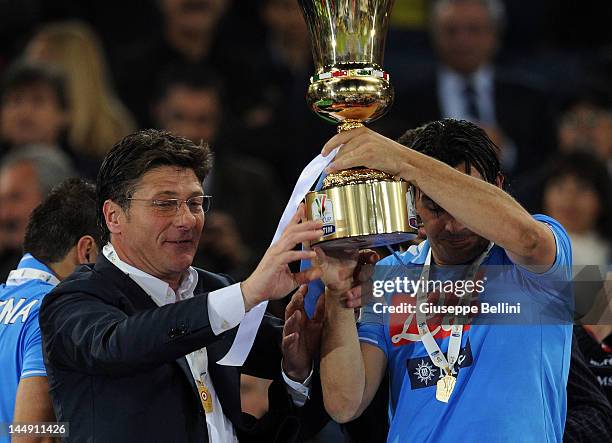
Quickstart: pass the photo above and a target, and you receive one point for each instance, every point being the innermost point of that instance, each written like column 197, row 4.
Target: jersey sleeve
column 33, row 363
column 371, row 328
column 554, row 287
column 561, row 270
column 373, row 334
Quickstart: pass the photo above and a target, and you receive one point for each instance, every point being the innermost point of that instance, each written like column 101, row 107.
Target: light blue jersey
column 511, row 375
column 20, row 340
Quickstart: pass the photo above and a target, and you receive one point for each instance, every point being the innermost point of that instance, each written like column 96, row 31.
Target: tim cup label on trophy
column 323, row 209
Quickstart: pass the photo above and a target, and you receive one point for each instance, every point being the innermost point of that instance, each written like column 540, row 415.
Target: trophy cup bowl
column 360, row 207
column 344, row 99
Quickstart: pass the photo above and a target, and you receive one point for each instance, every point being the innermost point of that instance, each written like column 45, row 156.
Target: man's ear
column 113, row 216
column 418, row 194
column 86, row 250
column 499, row 180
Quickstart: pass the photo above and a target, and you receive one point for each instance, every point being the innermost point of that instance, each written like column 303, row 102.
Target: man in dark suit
column 466, row 85
column 132, row 343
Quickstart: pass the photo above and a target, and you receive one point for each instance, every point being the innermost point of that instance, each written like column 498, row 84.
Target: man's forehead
column 474, row 172
column 201, row 95
column 169, row 179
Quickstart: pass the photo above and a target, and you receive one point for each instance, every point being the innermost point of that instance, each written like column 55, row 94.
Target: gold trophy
column 360, row 207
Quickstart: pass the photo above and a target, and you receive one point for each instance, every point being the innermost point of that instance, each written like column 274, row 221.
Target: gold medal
column 444, row 387
column 205, row 397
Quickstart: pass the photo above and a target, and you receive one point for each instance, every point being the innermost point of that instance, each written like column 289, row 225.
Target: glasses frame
column 178, row 202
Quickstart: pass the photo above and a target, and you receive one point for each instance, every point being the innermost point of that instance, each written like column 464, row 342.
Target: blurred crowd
column 78, row 76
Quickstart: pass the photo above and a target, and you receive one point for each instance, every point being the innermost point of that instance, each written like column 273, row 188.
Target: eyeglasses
column 170, row 206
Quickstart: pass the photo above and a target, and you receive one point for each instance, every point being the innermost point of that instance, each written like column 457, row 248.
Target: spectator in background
column 34, row 109
column 26, row 177
column 578, row 193
column 247, row 198
column 190, row 25
column 98, row 118
column 586, row 125
column 191, row 34
column 282, row 69
column 61, row 234
column 33, row 106
column 284, row 63
column 467, row 85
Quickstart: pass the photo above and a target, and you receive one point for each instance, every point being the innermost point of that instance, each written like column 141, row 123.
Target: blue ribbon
column 315, row 287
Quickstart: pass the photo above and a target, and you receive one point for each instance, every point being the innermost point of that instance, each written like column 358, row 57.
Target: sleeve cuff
column 225, row 308
column 299, row 392
column 34, row 373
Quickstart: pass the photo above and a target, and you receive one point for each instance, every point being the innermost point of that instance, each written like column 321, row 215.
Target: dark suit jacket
column 117, row 371
column 524, row 112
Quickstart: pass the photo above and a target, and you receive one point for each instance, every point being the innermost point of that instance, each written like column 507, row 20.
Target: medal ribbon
column 431, row 346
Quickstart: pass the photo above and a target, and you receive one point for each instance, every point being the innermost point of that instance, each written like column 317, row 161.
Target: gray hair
column 495, row 8
column 52, row 166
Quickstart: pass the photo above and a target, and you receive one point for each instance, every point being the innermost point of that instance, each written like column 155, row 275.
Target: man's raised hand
column 272, row 279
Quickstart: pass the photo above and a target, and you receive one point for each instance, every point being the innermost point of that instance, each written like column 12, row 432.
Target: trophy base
column 365, row 214
column 365, row 241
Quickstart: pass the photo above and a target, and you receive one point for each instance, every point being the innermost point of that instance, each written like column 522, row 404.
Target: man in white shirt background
column 467, row 84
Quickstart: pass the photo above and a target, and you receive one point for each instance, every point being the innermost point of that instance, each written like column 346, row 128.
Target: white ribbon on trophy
column 250, row 323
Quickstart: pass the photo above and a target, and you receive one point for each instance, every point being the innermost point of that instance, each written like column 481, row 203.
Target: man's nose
column 184, row 218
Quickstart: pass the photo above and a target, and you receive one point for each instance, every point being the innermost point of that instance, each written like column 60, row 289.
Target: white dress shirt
column 451, row 97
column 451, row 94
column 225, row 311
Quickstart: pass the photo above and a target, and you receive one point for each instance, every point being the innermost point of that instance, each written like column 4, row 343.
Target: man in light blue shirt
column 454, row 380
column 62, row 233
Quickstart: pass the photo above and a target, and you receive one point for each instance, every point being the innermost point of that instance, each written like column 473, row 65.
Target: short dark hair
column 135, row 155
column 589, row 169
column 25, row 74
column 56, row 225
column 190, row 76
column 454, row 142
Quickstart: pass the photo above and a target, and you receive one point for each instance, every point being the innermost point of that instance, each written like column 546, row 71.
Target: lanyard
column 431, row 346
column 19, row 276
column 198, row 363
